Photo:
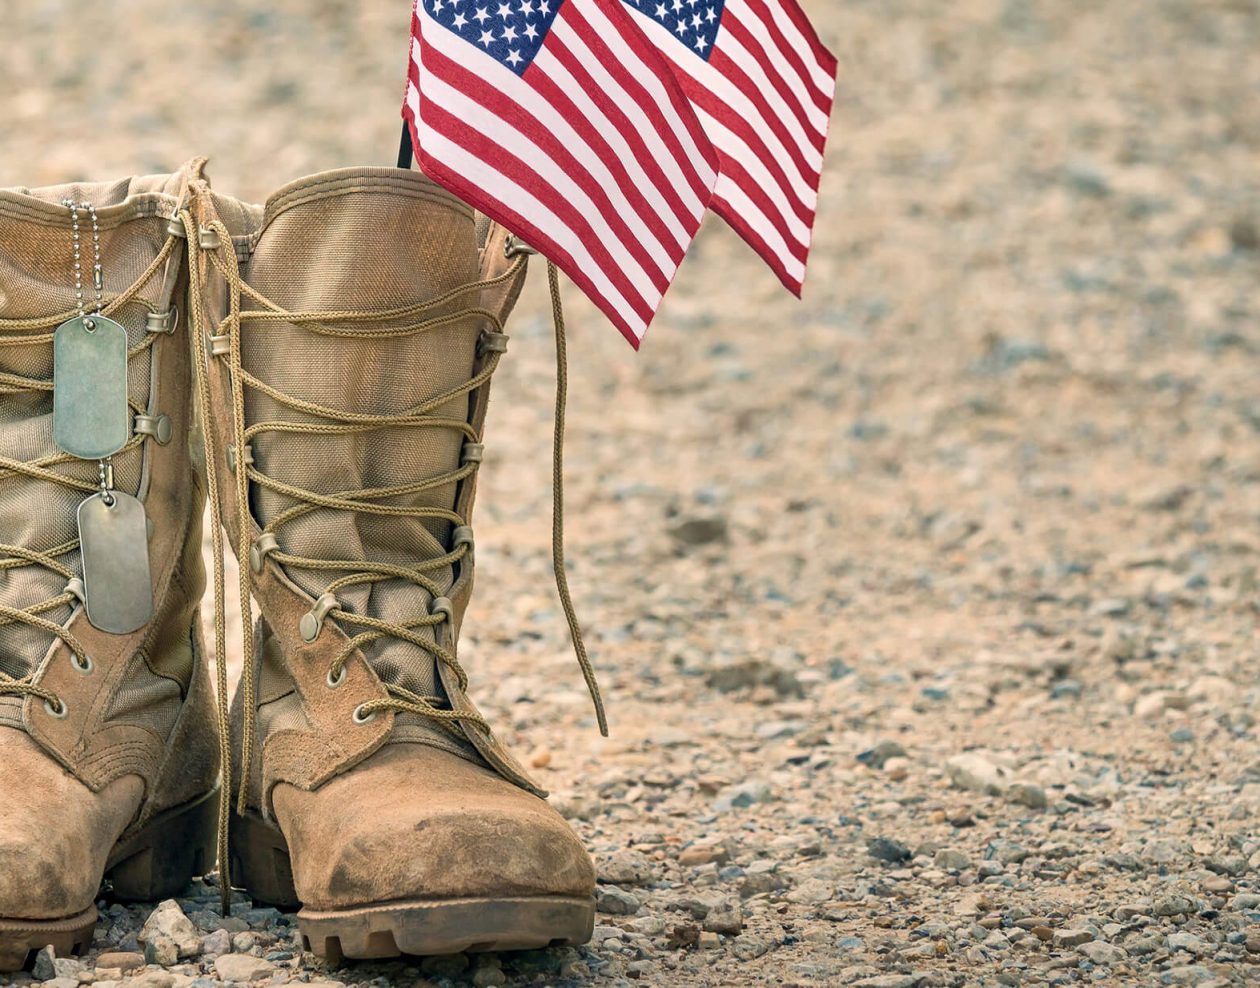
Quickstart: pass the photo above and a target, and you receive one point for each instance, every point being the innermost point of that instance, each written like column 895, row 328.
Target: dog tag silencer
column 114, row 543
column 90, row 387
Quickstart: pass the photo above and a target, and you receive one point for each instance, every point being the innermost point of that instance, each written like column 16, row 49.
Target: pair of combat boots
column 320, row 367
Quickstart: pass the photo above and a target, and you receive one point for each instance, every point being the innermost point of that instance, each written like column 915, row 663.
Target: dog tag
column 114, row 543
column 90, row 387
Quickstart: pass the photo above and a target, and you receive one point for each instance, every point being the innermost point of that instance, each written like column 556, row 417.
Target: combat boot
column 352, row 325
column 109, row 754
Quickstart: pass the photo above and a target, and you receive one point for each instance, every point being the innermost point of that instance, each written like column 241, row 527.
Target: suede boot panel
column 413, row 822
column 55, row 832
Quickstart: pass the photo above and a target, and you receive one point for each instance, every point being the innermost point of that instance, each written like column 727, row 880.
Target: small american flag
column 559, row 120
column 762, row 84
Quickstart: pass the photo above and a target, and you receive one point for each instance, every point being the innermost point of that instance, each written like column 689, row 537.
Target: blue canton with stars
column 510, row 31
column 695, row 23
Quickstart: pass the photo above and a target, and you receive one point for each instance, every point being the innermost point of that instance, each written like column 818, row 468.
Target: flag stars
column 513, row 58
column 509, row 34
column 486, row 38
column 460, row 22
column 482, row 15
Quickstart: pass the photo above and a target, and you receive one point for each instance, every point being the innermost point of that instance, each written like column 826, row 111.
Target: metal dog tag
column 114, row 542
column 90, row 387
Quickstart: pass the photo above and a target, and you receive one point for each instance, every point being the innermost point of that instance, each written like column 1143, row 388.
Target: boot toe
column 417, row 823
column 54, row 839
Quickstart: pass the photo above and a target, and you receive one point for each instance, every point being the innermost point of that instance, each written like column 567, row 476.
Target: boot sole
column 420, row 928
column 156, row 862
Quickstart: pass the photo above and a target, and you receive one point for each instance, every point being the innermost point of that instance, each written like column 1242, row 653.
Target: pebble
column 123, row 961
column 888, row 849
column 242, row 967
column 977, row 773
column 168, row 921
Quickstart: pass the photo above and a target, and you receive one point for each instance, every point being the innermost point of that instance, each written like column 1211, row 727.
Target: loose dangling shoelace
column 413, row 319
column 12, row 557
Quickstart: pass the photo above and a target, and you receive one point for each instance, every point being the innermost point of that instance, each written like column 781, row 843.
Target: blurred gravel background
column 926, row 606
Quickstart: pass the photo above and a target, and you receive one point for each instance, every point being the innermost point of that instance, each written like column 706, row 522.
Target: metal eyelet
column 473, row 453
column 58, row 712
column 312, row 622
column 157, row 426
column 443, row 606
column 85, row 667
column 175, row 228
column 162, row 322
column 335, row 681
column 359, row 717
column 208, row 238
column 513, row 246
column 266, row 543
column 462, row 535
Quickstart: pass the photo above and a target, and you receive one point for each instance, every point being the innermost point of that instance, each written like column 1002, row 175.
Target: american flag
column 762, row 84
column 559, row 120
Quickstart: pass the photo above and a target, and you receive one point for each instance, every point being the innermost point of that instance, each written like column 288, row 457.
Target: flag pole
column 404, row 148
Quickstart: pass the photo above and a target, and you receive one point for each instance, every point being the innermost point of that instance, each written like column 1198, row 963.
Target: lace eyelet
column 86, row 666
column 58, row 712
column 335, row 681
column 359, row 717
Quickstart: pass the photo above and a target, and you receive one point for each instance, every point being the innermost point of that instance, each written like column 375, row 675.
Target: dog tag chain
column 90, row 421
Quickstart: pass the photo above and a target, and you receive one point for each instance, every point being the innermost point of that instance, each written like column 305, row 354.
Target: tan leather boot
column 108, row 747
column 349, row 385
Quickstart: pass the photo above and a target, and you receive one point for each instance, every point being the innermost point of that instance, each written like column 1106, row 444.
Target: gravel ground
column 927, row 606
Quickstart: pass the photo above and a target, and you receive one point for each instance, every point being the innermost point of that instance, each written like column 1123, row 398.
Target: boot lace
column 403, row 321
column 35, row 332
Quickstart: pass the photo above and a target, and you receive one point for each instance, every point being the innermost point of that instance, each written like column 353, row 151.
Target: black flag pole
column 404, row 148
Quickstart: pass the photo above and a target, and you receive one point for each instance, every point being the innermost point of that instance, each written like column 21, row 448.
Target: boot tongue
column 365, row 248
column 37, row 281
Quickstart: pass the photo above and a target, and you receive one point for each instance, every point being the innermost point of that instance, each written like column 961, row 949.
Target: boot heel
column 173, row 848
column 260, row 861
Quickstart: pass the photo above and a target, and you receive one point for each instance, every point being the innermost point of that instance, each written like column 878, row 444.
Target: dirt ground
column 926, row 607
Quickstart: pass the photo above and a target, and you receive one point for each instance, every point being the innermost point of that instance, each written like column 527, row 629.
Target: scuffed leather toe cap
column 55, row 833
column 414, row 822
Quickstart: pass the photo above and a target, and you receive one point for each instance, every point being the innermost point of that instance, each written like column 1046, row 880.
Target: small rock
column 897, row 768
column 169, row 921
column 749, row 947
column 888, row 849
column 1174, row 905
column 216, row 943
column 742, row 796
column 1027, row 794
column 725, row 916
column 44, row 969
column 242, row 967
column 616, row 902
column 488, row 977
column 625, row 868
column 877, row 757
column 243, row 943
column 150, row 979
column 974, row 771
column 699, row 531
column 949, row 859
column 162, row 950
column 1181, row 940
column 1101, row 953
column 540, row 758
column 709, row 941
column 118, row 960
column 700, row 854
column 1072, row 938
